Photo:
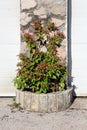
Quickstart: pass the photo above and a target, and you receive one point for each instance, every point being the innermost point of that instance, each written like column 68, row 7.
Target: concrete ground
column 74, row 118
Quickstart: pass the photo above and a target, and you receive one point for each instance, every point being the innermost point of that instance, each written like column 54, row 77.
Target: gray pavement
column 74, row 118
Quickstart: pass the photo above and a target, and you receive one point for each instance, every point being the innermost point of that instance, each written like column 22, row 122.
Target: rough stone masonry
column 54, row 10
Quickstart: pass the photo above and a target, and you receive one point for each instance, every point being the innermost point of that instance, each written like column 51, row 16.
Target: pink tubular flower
column 25, row 32
column 62, row 35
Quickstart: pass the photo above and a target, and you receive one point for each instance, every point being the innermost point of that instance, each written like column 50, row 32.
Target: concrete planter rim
column 59, row 92
column 50, row 102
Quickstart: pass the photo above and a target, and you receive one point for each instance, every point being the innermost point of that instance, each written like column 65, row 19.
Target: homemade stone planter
column 51, row 102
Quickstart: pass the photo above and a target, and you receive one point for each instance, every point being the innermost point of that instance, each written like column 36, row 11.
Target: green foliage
column 15, row 105
column 41, row 72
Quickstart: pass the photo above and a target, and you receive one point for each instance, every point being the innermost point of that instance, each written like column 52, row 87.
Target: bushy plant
column 41, row 70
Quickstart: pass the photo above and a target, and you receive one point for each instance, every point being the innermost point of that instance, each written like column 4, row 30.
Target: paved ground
column 74, row 118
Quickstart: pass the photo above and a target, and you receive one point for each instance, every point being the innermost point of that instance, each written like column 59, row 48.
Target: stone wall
column 54, row 10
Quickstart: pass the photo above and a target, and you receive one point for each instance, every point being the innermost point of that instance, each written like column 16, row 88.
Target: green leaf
column 54, row 77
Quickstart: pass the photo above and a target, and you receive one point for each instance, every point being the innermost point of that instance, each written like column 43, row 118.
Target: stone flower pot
column 51, row 102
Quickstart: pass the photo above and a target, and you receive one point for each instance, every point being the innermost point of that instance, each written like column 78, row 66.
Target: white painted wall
column 79, row 46
column 9, row 44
